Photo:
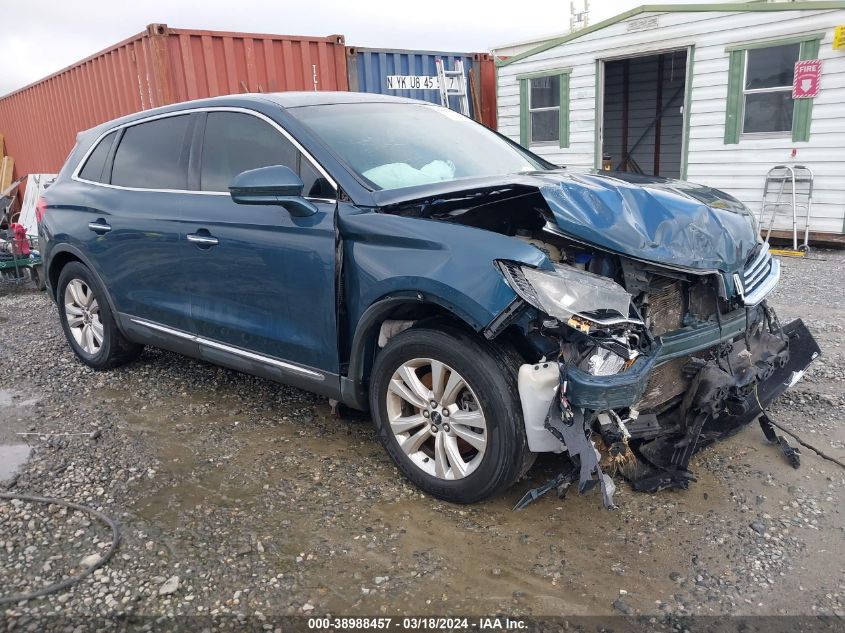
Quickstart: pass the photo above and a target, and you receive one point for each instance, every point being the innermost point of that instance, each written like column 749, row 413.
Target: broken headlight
column 567, row 291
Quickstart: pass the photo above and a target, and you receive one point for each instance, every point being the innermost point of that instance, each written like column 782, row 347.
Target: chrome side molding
column 237, row 351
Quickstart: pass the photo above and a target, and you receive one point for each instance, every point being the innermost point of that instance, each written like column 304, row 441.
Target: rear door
column 134, row 219
column 267, row 282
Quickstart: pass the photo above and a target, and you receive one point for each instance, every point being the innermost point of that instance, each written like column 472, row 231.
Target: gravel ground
column 240, row 496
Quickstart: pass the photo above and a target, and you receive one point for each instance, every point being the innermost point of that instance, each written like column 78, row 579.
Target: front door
column 263, row 281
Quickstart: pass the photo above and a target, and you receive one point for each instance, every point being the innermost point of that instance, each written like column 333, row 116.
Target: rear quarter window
column 93, row 168
column 154, row 155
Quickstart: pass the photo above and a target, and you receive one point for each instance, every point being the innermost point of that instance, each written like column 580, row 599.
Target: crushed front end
column 642, row 365
column 645, row 327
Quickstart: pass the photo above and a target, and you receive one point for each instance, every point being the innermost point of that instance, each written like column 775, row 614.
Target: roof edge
column 810, row 5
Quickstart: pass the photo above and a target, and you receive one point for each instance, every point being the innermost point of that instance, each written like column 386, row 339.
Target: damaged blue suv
column 483, row 305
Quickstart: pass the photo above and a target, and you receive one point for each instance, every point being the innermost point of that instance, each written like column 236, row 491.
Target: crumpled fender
column 388, row 254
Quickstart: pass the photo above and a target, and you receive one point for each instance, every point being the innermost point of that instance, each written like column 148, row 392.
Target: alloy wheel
column 83, row 316
column 436, row 418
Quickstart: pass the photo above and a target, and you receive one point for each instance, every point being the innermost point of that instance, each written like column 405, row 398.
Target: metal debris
column 793, row 455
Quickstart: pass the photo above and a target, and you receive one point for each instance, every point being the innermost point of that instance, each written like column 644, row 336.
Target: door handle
column 202, row 240
column 100, row 226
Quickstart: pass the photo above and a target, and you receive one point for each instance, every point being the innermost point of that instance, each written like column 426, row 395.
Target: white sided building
column 702, row 92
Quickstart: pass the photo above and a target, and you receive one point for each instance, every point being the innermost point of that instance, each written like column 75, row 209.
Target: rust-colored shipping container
column 154, row 68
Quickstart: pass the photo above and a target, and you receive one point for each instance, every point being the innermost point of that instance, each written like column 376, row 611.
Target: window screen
column 154, row 155
column 93, row 169
column 236, row 142
column 767, row 91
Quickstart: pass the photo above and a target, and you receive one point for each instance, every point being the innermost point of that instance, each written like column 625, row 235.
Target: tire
column 489, row 379
column 85, row 304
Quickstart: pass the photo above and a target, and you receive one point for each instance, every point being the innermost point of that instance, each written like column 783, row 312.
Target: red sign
column 808, row 76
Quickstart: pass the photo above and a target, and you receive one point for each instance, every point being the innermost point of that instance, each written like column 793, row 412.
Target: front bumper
column 750, row 365
column 625, row 389
column 719, row 403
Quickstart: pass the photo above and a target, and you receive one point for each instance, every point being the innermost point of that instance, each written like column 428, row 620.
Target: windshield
column 395, row 145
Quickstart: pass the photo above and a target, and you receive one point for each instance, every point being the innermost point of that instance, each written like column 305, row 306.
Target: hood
column 661, row 220
column 664, row 221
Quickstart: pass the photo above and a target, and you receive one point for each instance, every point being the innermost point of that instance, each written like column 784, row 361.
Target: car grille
column 760, row 276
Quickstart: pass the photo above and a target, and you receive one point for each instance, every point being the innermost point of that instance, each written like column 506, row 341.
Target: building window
column 767, row 89
column 760, row 89
column 544, row 109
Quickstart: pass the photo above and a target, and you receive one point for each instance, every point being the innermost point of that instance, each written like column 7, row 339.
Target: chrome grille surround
column 760, row 276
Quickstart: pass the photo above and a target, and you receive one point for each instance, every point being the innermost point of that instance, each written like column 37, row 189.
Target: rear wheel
column 446, row 409
column 88, row 322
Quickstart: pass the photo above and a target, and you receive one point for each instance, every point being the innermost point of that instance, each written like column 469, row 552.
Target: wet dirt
column 569, row 556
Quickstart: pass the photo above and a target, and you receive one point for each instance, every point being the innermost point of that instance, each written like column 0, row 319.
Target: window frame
column 200, row 151
column 118, row 134
column 802, row 113
column 189, row 111
column 747, row 91
column 183, row 160
column 532, row 110
column 526, row 110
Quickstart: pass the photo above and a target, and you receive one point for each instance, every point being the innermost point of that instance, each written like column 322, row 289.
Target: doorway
column 643, row 114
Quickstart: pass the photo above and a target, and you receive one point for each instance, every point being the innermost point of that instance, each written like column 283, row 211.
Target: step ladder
column 788, row 190
column 460, row 91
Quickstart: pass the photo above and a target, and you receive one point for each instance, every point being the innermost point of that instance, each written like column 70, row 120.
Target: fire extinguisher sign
column 807, row 78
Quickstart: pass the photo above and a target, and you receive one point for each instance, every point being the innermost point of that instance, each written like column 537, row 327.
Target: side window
column 316, row 185
column 93, row 169
column 768, row 89
column 154, row 155
column 760, row 90
column 544, row 109
column 235, row 142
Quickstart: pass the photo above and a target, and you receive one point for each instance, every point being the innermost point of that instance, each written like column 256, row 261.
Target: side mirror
column 276, row 185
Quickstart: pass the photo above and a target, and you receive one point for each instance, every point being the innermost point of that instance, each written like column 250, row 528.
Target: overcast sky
column 46, row 36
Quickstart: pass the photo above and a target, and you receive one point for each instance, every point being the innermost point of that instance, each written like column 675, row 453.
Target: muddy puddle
column 12, row 457
column 12, row 400
column 14, row 414
column 328, row 507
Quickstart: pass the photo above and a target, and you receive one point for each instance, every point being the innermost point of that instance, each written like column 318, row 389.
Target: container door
column 265, row 281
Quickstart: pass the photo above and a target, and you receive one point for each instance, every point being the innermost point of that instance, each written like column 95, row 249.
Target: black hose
column 67, row 582
column 798, row 439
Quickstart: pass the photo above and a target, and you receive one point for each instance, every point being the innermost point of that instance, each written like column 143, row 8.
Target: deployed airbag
column 396, row 175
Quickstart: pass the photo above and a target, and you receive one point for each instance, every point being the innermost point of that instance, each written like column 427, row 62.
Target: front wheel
column 446, row 408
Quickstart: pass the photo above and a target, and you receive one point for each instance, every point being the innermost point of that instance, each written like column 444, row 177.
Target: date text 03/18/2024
column 417, row 624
